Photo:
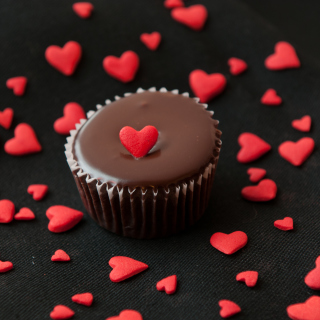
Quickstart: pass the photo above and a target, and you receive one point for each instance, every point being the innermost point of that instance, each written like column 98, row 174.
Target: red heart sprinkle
column 266, row 190
column 256, row 174
column 127, row 315
column 24, row 214
column 303, row 124
column 229, row 243
column 284, row 224
column 18, row 84
column 151, row 40
column 138, row 143
column 193, row 17
column 62, row 218
column 296, row 152
column 249, row 277
column 270, row 98
column 38, row 191
column 237, row 66
column 5, row 266
column 169, row 284
column 228, row 308
column 253, row 147
column 83, row 298
column 123, row 68
column 309, row 310
column 124, row 268
column 61, row 312
column 312, row 279
column 170, row 4
column 6, row 117
column 206, row 86
column 83, row 9
column 64, row 59
column 60, row 255
column 72, row 113
column 285, row 57
column 7, row 210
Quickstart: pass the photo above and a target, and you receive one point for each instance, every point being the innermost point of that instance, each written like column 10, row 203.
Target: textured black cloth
column 205, row 275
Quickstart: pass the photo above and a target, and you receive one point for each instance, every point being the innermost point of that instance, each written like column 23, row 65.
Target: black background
column 205, row 276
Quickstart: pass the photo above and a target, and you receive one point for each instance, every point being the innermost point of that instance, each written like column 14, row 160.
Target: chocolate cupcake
column 161, row 192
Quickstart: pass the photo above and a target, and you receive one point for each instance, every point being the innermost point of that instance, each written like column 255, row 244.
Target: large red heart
column 303, row 124
column 18, row 84
column 228, row 308
column 284, row 224
column 6, row 117
column 123, row 68
column 270, row 98
column 124, row 268
column 296, row 152
column 266, row 190
column 7, row 210
column 83, row 9
column 193, row 17
column 253, row 147
column 206, row 86
column 24, row 214
column 85, row 299
column 312, row 279
column 285, row 57
column 170, row 4
column 151, row 40
column 169, row 284
column 64, row 59
column 60, row 256
column 138, row 143
column 38, row 191
column 229, row 243
column 24, row 142
column 256, row 174
column 309, row 310
column 249, row 277
column 62, row 218
column 5, row 266
column 61, row 312
column 237, row 66
column 127, row 315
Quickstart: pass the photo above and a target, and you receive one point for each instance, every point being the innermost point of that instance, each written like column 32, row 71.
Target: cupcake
column 164, row 189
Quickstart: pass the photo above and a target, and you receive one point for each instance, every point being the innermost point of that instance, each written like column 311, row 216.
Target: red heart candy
column 151, row 40
column 296, row 152
column 127, row 315
column 170, row 4
column 249, row 277
column 228, row 308
column 229, row 243
column 138, row 143
column 169, row 284
column 312, row 279
column 83, row 298
column 64, row 59
column 309, row 310
column 270, row 98
column 5, row 266
column 123, row 68
column 72, row 113
column 6, row 117
column 38, row 191
column 7, row 210
column 193, row 17
column 256, row 174
column 266, row 190
column 285, row 57
column 303, row 124
column 18, row 84
column 253, row 147
column 284, row 224
column 237, row 66
column 60, row 255
column 61, row 312
column 124, row 268
column 83, row 9
column 206, row 86
column 24, row 214
column 62, row 218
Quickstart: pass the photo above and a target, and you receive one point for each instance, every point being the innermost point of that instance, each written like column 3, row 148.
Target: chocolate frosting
column 186, row 142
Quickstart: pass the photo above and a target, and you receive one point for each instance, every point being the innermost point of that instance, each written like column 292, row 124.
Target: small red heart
column 124, row 268
column 309, row 310
column 18, row 84
column 296, row 152
column 193, row 17
column 237, row 66
column 24, row 214
column 228, row 308
column 62, row 218
column 151, row 40
column 285, row 57
column 60, row 255
column 252, row 147
column 229, row 243
column 256, row 174
column 169, row 284
column 123, row 68
column 266, row 190
column 83, row 9
column 206, row 86
column 64, row 59
column 38, row 191
column 170, row 4
column 6, row 117
column 270, row 98
column 7, row 210
column 61, row 312
column 127, row 315
column 303, row 124
column 312, row 279
column 249, row 277
column 284, row 224
column 5, row 266
column 138, row 143
column 72, row 113
column 83, row 298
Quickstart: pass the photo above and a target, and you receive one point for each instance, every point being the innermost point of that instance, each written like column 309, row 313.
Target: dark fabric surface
column 205, row 276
